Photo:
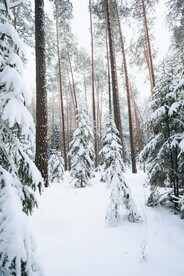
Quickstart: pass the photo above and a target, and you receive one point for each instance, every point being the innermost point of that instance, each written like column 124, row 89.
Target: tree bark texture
column 53, row 122
column 173, row 164
column 72, row 97
column 93, row 88
column 108, row 75
column 150, row 60
column 41, row 93
column 116, row 105
column 132, row 144
column 85, row 89
column 61, row 92
column 72, row 76
column 99, row 115
column 138, row 125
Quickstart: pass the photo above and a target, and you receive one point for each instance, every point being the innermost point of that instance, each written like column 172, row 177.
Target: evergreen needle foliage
column 112, row 173
column 56, row 167
column 82, row 151
column 165, row 150
column 19, row 177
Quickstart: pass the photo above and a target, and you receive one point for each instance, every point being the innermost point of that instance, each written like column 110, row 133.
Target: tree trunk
column 41, row 93
column 61, row 91
column 150, row 60
column 108, row 75
column 73, row 98
column 73, row 86
column 173, row 162
column 15, row 17
column 53, row 123
column 70, row 139
column 138, row 125
column 148, row 65
column 93, row 88
column 176, row 180
column 117, row 116
column 60, row 127
column 85, row 90
column 72, row 76
column 99, row 114
column 68, row 122
column 133, row 161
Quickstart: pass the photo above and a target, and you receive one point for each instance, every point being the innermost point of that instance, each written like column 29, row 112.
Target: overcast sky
column 80, row 22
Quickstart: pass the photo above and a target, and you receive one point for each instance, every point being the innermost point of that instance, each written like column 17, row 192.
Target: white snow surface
column 73, row 240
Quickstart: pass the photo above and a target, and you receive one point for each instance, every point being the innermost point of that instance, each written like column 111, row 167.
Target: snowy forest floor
column 73, row 240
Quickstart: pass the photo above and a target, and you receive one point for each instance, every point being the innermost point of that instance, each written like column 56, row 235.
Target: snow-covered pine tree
column 177, row 112
column 164, row 152
column 19, row 177
column 82, row 151
column 112, row 174
column 111, row 134
column 56, row 167
column 17, row 247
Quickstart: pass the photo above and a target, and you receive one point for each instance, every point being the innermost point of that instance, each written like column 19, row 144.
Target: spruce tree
column 19, row 177
column 24, row 17
column 164, row 151
column 112, row 174
column 17, row 247
column 175, row 23
column 56, row 167
column 110, row 136
column 82, row 151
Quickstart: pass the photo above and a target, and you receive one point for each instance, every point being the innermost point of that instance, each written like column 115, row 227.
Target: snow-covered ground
column 73, row 240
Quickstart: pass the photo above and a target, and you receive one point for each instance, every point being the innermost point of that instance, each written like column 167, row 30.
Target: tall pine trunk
column 72, row 97
column 53, row 122
column 116, row 105
column 132, row 144
column 108, row 75
column 138, row 125
column 61, row 92
column 41, row 93
column 72, row 76
column 93, row 88
column 148, row 48
column 85, row 89
column 99, row 114
column 173, row 163
column 176, row 179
